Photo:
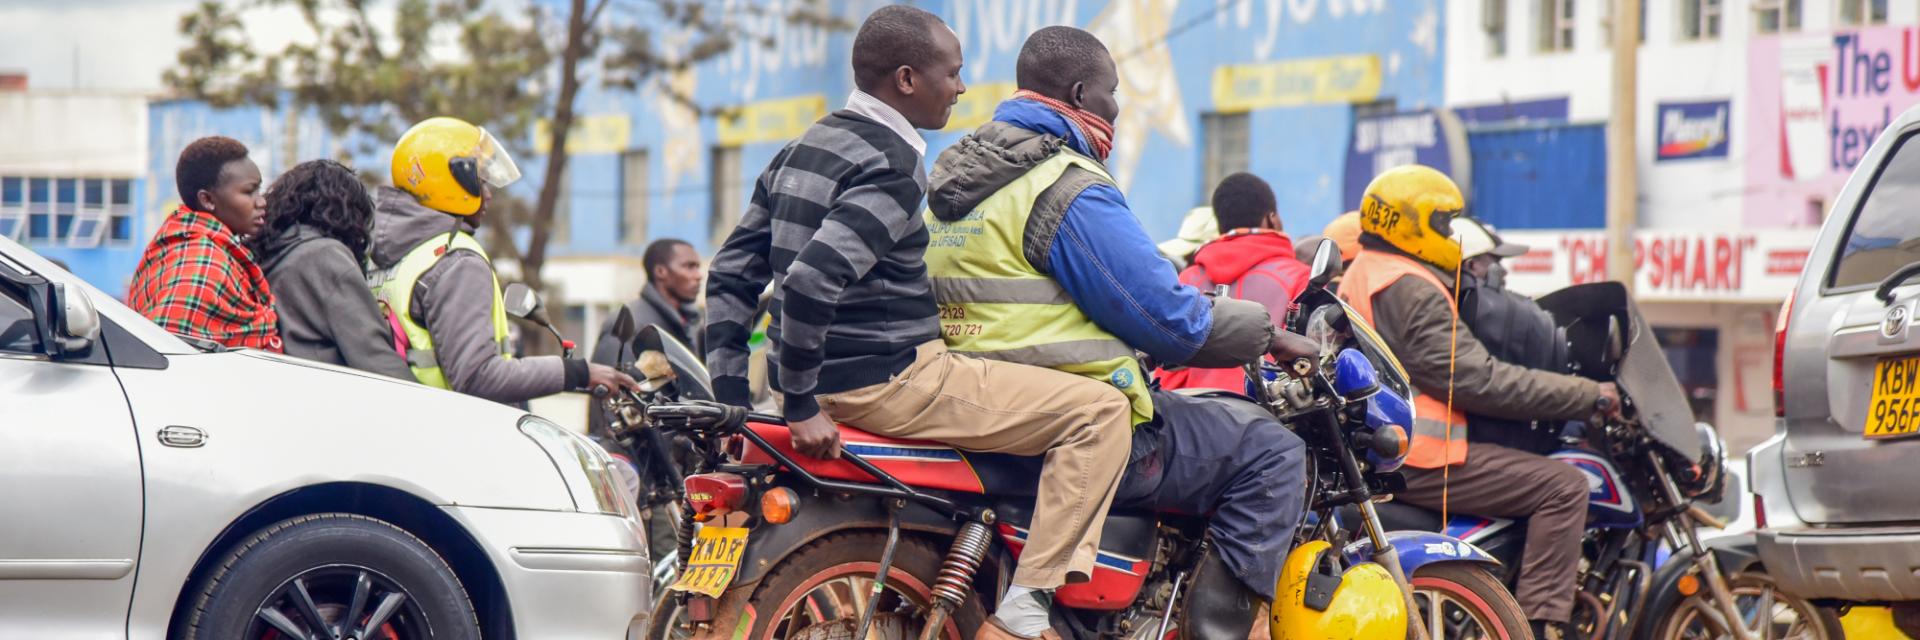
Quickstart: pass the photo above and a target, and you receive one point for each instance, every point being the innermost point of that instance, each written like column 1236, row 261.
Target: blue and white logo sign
column 1692, row 130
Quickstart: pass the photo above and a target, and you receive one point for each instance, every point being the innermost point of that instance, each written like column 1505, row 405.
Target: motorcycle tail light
column 778, row 505
column 711, row 495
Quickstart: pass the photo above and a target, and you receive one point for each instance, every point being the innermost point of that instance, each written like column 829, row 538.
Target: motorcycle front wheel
column 1461, row 601
column 1767, row 612
column 819, row 591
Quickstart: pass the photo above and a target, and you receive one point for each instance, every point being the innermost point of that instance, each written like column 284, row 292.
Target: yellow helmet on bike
column 446, row 163
column 1315, row 601
column 1412, row 208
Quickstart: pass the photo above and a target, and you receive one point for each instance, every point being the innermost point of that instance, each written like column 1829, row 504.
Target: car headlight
column 586, row 468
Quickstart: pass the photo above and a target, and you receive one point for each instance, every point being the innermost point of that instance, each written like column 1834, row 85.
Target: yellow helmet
column 1365, row 603
column 1412, row 207
column 444, row 163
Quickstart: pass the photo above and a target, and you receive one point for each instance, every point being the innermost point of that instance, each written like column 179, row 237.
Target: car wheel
column 331, row 575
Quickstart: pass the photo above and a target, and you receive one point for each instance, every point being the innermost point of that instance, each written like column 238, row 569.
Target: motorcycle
column 775, row 544
column 1645, row 471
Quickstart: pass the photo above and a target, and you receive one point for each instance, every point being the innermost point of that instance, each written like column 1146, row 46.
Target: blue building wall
column 1295, row 67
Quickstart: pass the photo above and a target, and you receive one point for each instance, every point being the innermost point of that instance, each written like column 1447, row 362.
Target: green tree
column 504, row 71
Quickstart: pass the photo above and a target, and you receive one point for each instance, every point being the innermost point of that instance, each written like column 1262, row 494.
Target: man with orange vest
column 1402, row 282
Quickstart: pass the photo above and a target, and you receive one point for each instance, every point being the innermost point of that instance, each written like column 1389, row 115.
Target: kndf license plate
column 1896, row 399
column 714, row 561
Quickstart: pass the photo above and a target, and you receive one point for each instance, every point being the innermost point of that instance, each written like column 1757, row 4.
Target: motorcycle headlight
column 586, row 468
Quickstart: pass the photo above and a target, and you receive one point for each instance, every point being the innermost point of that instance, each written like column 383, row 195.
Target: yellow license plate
column 1895, row 411
column 715, row 560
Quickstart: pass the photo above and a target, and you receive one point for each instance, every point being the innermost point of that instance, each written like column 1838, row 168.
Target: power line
column 1183, row 27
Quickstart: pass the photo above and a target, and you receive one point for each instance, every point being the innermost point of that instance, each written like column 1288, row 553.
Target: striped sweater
column 834, row 224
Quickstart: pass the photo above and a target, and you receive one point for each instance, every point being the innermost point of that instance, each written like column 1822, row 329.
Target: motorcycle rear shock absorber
column 687, row 532
column 955, row 581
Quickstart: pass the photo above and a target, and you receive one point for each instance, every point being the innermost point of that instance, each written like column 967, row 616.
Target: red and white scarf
column 1095, row 129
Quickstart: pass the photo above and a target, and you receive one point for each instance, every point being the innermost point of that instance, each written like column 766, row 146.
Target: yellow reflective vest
column 393, row 288
column 995, row 304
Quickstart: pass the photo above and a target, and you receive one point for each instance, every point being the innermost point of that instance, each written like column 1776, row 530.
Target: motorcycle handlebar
column 703, row 413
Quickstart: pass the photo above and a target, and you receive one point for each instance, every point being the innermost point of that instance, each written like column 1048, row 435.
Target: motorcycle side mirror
column 1326, row 260
column 623, row 328
column 521, row 301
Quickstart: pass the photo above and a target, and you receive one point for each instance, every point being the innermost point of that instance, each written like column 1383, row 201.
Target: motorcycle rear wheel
column 818, row 592
column 1471, row 604
column 1789, row 617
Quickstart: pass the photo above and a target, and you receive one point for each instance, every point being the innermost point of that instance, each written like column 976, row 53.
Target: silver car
column 1838, row 486
column 153, row 488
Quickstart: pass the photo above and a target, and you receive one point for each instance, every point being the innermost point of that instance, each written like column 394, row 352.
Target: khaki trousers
column 1083, row 426
column 1509, row 483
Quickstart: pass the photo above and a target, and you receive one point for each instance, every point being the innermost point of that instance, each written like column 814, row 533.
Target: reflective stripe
column 999, row 290
column 1436, row 429
column 1059, row 354
column 422, row 359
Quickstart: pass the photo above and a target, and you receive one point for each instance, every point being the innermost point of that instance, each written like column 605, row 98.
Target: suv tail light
column 711, row 495
column 1780, row 326
column 1759, row 512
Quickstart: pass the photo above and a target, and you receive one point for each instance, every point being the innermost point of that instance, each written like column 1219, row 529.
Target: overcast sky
column 119, row 44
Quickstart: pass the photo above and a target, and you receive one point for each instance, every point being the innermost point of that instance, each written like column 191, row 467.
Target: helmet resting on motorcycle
column 446, row 163
column 1412, row 208
column 1364, row 603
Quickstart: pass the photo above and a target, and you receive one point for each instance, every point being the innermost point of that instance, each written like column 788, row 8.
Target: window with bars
column 76, row 212
column 726, row 197
column 1226, row 151
column 632, row 220
column 1855, row 13
column 1699, row 19
column 1556, row 25
column 1777, row 16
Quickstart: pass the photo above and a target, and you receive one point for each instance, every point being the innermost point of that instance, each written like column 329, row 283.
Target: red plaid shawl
column 196, row 279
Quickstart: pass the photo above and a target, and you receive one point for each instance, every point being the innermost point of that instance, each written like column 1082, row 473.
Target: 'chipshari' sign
column 1689, row 130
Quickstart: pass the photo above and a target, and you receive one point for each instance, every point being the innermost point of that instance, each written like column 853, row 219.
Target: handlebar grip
column 1603, row 405
column 599, row 391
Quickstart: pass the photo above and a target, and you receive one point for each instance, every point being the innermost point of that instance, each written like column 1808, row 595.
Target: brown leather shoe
column 993, row 631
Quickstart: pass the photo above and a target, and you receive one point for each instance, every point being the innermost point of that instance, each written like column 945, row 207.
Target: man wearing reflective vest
column 1036, row 259
column 1402, row 282
column 435, row 281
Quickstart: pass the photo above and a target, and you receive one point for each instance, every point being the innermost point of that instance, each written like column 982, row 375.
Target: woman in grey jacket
column 319, row 224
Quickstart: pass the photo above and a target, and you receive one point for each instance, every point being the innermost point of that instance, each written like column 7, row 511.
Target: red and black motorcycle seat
column 919, row 463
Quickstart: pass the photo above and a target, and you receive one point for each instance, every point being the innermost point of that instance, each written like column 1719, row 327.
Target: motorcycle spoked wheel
column 817, row 593
column 1789, row 617
column 1470, row 603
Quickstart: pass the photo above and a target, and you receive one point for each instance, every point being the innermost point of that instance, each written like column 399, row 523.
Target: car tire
column 337, row 566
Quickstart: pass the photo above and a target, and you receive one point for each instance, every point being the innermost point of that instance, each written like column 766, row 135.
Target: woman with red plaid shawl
column 196, row 279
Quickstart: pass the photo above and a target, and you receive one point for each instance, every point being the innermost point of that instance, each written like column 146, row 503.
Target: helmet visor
column 495, row 166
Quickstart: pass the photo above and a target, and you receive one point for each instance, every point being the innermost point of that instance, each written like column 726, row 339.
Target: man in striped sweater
column 835, row 225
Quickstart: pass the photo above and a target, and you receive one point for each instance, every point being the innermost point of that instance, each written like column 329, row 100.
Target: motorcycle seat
column 922, row 464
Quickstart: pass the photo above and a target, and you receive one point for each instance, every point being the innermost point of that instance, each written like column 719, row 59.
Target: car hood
column 274, row 422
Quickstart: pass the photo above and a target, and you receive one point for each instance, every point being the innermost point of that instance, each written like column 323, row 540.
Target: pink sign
column 1816, row 103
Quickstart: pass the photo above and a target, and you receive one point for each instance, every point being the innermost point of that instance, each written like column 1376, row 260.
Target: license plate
column 1895, row 411
column 715, row 560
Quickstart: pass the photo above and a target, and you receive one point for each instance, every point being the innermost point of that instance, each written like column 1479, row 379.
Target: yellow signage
column 775, row 120
column 1292, row 83
column 976, row 106
column 604, row 133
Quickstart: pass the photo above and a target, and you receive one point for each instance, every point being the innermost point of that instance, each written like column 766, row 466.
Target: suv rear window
column 1885, row 234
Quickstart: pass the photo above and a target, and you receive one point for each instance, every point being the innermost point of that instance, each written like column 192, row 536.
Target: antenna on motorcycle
column 1326, row 259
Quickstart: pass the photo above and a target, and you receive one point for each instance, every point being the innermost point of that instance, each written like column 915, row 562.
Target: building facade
column 1750, row 116
column 73, row 178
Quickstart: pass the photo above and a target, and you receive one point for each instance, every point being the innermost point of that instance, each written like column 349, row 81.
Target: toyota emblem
column 1896, row 321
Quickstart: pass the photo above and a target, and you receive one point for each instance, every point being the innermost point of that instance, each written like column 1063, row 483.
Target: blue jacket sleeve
column 1107, row 264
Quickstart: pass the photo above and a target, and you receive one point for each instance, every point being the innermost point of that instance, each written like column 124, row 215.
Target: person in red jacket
column 1253, row 257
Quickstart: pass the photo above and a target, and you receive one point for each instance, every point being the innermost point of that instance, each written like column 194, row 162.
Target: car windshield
column 1885, row 234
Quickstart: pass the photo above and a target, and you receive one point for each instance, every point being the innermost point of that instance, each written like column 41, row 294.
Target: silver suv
column 1837, row 488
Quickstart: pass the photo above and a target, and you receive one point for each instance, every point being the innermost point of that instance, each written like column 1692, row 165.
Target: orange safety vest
column 1434, row 446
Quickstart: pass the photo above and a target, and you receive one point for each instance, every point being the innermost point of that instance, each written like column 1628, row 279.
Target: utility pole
column 1623, row 180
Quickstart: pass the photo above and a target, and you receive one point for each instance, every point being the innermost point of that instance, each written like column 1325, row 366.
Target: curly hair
column 322, row 194
column 200, row 166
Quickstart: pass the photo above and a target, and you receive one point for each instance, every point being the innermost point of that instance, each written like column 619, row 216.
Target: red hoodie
column 1257, row 265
